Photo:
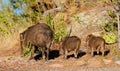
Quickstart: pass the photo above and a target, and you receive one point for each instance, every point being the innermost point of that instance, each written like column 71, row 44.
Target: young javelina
column 69, row 44
column 39, row 35
column 95, row 43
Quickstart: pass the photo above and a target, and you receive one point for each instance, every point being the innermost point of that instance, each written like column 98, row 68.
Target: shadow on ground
column 80, row 54
column 52, row 55
column 55, row 53
column 100, row 53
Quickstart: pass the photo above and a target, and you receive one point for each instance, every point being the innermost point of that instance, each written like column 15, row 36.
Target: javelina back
column 69, row 44
column 39, row 35
column 95, row 43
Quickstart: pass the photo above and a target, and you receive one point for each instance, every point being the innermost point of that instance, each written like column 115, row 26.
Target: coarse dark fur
column 95, row 43
column 39, row 35
column 71, row 43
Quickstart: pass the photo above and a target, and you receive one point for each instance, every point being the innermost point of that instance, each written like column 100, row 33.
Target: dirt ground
column 10, row 60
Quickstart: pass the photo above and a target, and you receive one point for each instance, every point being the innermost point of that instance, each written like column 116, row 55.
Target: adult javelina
column 71, row 43
column 95, row 43
column 39, row 35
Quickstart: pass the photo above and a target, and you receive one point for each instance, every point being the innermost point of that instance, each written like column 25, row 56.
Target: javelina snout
column 70, row 44
column 95, row 43
column 39, row 35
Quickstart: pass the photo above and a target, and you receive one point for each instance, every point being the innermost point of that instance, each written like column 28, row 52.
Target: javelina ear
column 89, row 36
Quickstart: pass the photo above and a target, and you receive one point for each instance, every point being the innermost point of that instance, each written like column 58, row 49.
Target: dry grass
column 9, row 41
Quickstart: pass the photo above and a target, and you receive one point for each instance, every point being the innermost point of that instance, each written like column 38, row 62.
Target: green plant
column 110, row 27
column 57, row 24
column 110, row 32
column 116, row 51
column 26, row 51
column 76, row 17
column 110, row 37
column 112, row 14
column 48, row 19
column 59, row 34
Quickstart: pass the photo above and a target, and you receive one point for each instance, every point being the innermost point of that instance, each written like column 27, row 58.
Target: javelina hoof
column 75, row 55
column 65, row 57
column 46, row 62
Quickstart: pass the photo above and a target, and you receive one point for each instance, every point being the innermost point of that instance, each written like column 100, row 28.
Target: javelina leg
column 92, row 52
column 102, row 52
column 48, row 49
column 22, row 53
column 65, row 55
column 32, row 52
column 21, row 48
column 103, row 49
column 76, row 53
column 98, row 50
column 88, row 50
column 47, row 54
column 21, row 43
column 43, row 52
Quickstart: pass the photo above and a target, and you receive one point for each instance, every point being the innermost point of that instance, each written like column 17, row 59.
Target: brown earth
column 10, row 60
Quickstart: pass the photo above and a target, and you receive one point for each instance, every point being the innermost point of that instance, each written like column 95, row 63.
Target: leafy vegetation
column 110, row 38
column 110, row 28
column 116, row 52
column 110, row 32
column 26, row 51
column 59, row 26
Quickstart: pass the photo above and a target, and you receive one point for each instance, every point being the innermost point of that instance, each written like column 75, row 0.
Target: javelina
column 69, row 44
column 39, row 35
column 95, row 43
